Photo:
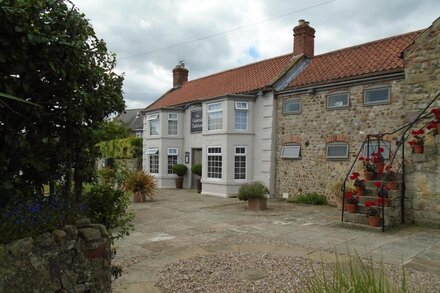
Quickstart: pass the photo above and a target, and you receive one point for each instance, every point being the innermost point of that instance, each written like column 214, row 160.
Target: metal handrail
column 400, row 144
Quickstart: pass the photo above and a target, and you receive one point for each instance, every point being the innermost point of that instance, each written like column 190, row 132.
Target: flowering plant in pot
column 436, row 121
column 358, row 183
column 390, row 177
column 382, row 193
column 418, row 141
column 369, row 167
column 351, row 200
column 379, row 160
column 373, row 212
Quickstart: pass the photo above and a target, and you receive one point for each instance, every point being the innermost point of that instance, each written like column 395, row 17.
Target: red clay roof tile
column 369, row 58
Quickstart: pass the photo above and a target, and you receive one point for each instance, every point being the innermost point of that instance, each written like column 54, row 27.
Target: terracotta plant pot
column 418, row 148
column 374, row 221
column 138, row 197
column 392, row 185
column 255, row 204
column 380, row 167
column 199, row 185
column 351, row 208
column 179, row 182
column 360, row 191
column 369, row 175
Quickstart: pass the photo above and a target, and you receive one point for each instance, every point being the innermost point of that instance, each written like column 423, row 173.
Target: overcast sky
column 144, row 33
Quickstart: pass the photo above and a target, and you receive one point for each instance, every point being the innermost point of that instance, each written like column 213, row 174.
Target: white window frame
column 172, row 151
column 152, row 117
column 236, row 155
column 153, row 153
column 337, row 144
column 239, row 105
column 213, row 154
column 387, row 101
column 171, row 118
column 373, row 146
column 155, row 118
column 347, row 104
column 292, row 112
column 297, row 148
column 210, row 112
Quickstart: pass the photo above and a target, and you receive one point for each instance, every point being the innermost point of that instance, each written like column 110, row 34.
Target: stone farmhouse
column 294, row 121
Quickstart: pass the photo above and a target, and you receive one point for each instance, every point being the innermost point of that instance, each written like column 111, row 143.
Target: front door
column 196, row 160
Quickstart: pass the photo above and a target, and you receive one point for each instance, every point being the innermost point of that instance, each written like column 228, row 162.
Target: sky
column 150, row 37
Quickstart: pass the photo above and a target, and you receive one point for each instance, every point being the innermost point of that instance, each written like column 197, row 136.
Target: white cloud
column 133, row 27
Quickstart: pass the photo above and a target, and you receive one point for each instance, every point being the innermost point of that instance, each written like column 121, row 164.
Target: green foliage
column 124, row 148
column 109, row 206
column 141, row 184
column 252, row 190
column 51, row 57
column 309, row 198
column 353, row 275
column 115, row 129
column 180, row 170
column 197, row 169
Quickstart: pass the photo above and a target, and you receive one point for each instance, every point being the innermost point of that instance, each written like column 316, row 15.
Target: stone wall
column 422, row 79
column 316, row 126
column 76, row 258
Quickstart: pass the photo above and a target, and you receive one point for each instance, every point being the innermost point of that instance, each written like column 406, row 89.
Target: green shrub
column 255, row 190
column 109, row 206
column 353, row 274
column 309, row 198
column 123, row 148
column 197, row 169
column 179, row 170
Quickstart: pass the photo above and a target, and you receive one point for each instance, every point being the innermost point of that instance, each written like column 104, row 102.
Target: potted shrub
column 180, row 171
column 197, row 169
column 255, row 194
column 373, row 213
column 418, row 141
column 351, row 201
column 369, row 167
column 358, row 183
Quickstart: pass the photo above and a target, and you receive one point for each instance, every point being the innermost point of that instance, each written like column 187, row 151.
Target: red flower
column 432, row 124
column 369, row 204
column 354, row 176
column 436, row 112
column 379, row 201
column 348, row 194
column 381, row 150
column 377, row 184
column 367, row 160
column 412, row 142
column 418, row 132
column 361, row 158
column 376, row 160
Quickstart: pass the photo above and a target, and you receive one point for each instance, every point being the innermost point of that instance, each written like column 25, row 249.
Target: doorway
column 196, row 159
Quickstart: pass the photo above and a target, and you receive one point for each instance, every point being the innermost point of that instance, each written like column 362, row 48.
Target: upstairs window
column 377, row 96
column 241, row 115
column 153, row 121
column 337, row 150
column 291, row 151
column 172, row 123
column 292, row 106
column 339, row 100
column 215, row 116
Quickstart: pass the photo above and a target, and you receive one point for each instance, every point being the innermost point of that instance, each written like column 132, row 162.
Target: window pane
column 215, row 120
column 386, row 145
column 240, row 167
column 292, row 106
column 337, row 100
column 241, row 118
column 377, row 95
column 172, row 116
column 154, row 127
column 339, row 151
column 241, row 105
column 215, row 107
column 154, row 164
column 172, row 127
column 290, row 151
column 214, row 166
column 172, row 160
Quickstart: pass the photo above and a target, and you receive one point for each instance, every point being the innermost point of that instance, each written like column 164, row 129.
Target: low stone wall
column 76, row 258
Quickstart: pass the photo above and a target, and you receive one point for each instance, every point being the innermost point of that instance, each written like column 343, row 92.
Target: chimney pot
column 303, row 39
column 180, row 75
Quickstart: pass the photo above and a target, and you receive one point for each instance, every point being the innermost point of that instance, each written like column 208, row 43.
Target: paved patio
column 181, row 224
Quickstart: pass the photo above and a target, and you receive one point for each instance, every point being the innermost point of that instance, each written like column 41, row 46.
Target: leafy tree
column 114, row 129
column 50, row 56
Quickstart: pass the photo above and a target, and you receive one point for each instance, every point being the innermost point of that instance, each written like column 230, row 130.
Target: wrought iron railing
column 378, row 141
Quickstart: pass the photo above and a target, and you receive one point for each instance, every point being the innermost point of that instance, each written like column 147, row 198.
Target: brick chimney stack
column 180, row 75
column 303, row 39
